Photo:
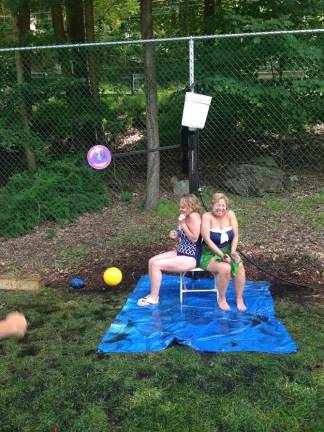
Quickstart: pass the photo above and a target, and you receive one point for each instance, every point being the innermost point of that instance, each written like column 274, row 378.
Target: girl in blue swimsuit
column 187, row 254
column 219, row 229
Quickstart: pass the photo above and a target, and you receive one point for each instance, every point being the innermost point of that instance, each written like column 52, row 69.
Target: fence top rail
column 157, row 40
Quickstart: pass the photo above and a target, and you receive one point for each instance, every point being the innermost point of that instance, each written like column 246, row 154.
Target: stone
column 264, row 160
column 180, row 187
column 15, row 283
column 254, row 180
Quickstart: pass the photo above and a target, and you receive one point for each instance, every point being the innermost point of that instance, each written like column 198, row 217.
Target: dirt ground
column 288, row 250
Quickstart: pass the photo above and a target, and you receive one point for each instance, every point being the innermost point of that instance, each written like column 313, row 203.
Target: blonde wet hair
column 192, row 202
column 218, row 196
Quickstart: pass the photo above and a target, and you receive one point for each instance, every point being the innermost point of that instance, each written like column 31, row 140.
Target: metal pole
column 193, row 160
column 164, row 40
column 191, row 65
column 193, row 132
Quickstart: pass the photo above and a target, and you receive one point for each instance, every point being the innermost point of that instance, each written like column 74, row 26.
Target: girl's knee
column 226, row 269
column 241, row 269
column 155, row 265
column 223, row 270
column 151, row 261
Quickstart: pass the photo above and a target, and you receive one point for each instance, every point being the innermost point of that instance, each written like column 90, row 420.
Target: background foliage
column 54, row 103
column 60, row 192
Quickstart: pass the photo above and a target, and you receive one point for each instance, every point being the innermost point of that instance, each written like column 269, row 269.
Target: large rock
column 180, row 187
column 264, row 160
column 254, row 180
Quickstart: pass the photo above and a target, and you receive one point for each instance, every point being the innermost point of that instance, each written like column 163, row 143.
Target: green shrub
column 167, row 209
column 125, row 111
column 170, row 114
column 60, row 192
column 126, row 196
column 52, row 118
column 50, row 234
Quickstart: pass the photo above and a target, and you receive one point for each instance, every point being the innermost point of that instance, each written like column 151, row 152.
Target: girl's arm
column 205, row 232
column 234, row 225
column 14, row 324
column 192, row 226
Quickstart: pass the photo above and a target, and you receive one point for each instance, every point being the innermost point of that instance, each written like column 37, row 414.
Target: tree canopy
column 171, row 17
column 89, row 95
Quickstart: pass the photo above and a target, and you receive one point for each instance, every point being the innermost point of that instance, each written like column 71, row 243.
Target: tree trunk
column 79, row 94
column 60, row 36
column 92, row 51
column 152, row 128
column 75, row 25
column 183, row 17
column 213, row 14
column 75, row 21
column 209, row 8
column 21, row 26
column 209, row 15
column 93, row 55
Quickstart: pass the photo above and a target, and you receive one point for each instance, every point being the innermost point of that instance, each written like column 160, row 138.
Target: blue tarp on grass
column 198, row 323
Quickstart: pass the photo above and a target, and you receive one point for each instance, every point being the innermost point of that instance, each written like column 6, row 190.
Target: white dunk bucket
column 195, row 110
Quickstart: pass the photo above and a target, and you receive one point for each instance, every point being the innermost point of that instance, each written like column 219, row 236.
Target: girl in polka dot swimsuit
column 186, row 255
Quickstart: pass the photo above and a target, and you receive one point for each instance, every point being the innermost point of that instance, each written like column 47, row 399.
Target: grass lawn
column 52, row 380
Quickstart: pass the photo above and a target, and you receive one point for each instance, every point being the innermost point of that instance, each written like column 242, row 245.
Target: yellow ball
column 112, row 276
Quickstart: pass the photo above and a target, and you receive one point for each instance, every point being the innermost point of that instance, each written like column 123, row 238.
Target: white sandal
column 148, row 301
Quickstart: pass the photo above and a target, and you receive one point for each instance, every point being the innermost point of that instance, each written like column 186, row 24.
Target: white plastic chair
column 184, row 290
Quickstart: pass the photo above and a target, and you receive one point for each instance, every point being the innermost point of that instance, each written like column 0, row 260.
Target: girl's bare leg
column 176, row 264
column 239, row 283
column 170, row 262
column 159, row 257
column 223, row 275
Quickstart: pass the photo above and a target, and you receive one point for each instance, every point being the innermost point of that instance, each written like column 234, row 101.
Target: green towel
column 207, row 255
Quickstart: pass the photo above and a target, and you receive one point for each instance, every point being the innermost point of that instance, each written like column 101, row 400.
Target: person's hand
column 236, row 257
column 226, row 258
column 17, row 324
column 182, row 217
column 173, row 235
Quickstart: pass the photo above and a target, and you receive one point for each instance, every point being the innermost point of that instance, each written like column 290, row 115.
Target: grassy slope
column 53, row 378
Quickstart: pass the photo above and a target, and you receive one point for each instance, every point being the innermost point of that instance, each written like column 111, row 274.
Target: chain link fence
column 266, row 121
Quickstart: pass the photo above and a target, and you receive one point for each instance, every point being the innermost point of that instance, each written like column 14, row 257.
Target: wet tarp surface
column 198, row 323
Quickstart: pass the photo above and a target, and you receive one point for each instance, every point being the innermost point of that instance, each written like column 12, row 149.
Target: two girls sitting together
column 209, row 242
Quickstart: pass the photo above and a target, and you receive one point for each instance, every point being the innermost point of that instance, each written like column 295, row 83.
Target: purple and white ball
column 99, row 157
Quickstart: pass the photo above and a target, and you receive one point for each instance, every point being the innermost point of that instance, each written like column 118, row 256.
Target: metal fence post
column 193, row 141
column 193, row 138
column 191, row 65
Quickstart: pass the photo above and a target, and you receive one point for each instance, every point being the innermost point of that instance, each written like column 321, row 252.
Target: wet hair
column 192, row 202
column 218, row 196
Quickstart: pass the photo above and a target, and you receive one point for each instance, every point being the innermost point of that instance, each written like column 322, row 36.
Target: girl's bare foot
column 224, row 305
column 240, row 305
